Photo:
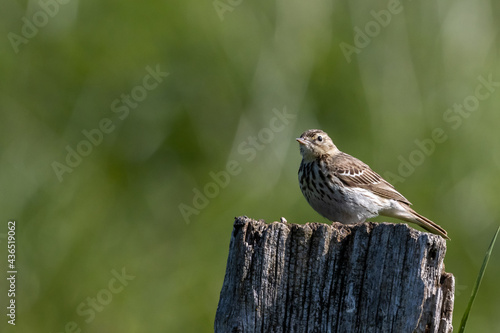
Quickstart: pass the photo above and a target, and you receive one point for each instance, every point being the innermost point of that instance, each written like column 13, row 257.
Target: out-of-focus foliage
column 411, row 88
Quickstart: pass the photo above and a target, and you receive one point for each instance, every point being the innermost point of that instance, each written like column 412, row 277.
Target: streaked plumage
column 342, row 188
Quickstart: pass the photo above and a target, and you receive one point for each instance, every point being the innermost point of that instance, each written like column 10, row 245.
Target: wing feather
column 354, row 173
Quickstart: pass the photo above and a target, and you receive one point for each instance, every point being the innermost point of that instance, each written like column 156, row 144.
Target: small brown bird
column 342, row 188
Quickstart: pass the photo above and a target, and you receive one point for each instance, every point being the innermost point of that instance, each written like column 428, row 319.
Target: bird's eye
column 320, row 138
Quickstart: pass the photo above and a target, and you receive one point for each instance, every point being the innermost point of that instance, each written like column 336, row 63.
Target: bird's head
column 316, row 143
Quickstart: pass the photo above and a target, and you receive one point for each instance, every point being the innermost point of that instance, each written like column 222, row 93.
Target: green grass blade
column 478, row 283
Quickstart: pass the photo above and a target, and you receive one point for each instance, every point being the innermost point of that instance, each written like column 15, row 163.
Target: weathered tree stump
column 371, row 277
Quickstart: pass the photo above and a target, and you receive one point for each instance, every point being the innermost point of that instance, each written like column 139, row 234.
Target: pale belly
column 345, row 205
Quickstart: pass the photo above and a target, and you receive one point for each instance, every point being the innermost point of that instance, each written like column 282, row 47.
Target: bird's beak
column 301, row 141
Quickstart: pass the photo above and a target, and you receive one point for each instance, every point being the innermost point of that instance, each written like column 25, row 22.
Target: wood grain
column 370, row 277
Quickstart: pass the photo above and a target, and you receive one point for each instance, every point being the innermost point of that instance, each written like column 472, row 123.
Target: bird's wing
column 354, row 173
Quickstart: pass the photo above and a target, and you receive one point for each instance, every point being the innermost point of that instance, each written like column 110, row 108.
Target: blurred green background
column 378, row 76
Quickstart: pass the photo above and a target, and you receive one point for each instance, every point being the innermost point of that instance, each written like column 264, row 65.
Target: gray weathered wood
column 371, row 277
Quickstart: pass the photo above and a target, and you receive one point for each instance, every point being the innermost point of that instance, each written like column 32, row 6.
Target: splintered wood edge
column 343, row 228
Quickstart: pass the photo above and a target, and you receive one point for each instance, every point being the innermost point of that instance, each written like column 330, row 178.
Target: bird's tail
column 427, row 224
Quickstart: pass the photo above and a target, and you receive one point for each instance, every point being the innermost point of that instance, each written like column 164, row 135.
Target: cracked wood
column 370, row 277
